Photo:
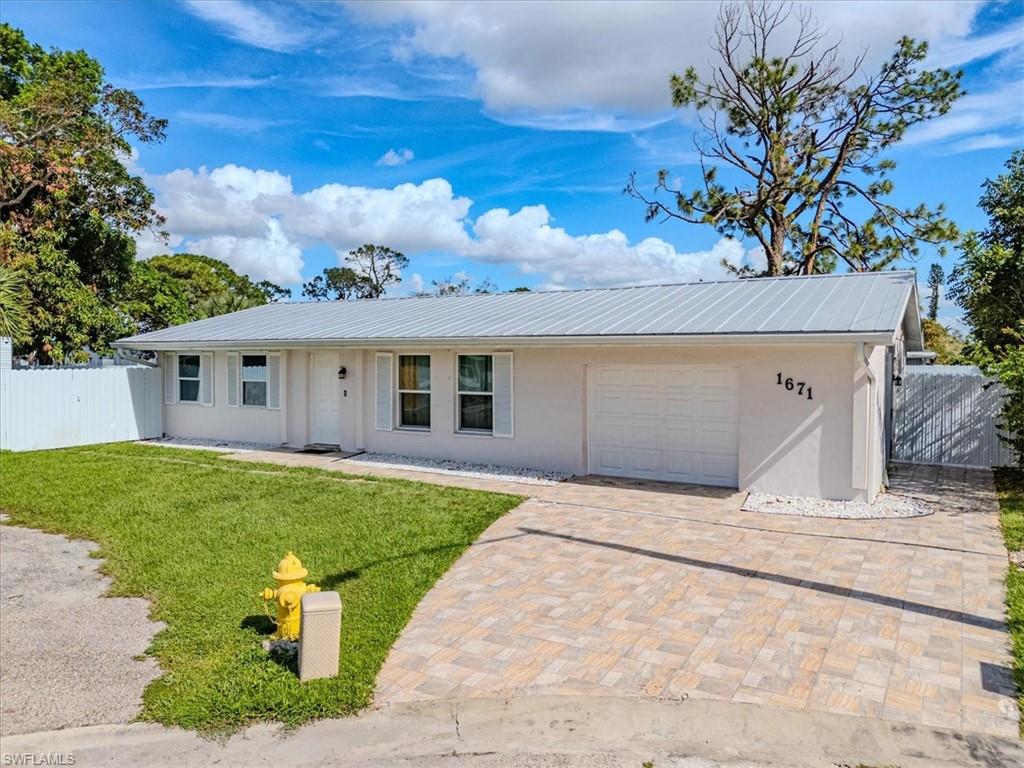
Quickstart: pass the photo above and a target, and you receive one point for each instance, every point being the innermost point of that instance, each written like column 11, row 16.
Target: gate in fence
column 63, row 406
column 947, row 414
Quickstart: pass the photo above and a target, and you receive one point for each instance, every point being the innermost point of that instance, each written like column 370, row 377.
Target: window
column 254, row 380
column 414, row 391
column 188, row 378
column 476, row 393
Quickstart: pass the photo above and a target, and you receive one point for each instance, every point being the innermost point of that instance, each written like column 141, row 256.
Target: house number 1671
column 801, row 387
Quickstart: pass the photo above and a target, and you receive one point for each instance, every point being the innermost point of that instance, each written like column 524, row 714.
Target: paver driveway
column 640, row 589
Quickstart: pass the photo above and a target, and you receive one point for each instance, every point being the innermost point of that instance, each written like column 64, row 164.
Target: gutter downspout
column 865, row 358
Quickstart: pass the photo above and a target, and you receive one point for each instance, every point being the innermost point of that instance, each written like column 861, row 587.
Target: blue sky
column 491, row 140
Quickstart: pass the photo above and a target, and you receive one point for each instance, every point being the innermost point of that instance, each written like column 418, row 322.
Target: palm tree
column 13, row 304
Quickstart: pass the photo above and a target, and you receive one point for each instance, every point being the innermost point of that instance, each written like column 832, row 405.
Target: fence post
column 6, row 361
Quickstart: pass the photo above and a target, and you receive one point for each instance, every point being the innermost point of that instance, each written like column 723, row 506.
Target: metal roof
column 867, row 305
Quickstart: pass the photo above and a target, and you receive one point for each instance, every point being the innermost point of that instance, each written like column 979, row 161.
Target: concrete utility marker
column 60, row 663
column 545, row 732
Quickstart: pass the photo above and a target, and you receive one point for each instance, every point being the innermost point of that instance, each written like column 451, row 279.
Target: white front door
column 325, row 412
column 665, row 422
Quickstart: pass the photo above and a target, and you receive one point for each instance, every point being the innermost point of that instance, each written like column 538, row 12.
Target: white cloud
column 527, row 240
column 272, row 256
column 255, row 221
column 249, row 24
column 598, row 64
column 983, row 113
column 416, row 283
column 986, row 141
column 220, row 121
column 409, row 217
column 148, row 244
column 352, row 88
column 196, row 80
column 396, row 157
column 227, row 200
column 956, row 52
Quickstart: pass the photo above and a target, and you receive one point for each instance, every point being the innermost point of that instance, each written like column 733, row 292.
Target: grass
column 198, row 535
column 1010, row 485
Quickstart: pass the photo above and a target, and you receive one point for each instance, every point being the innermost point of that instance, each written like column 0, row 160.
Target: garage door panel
column 681, row 435
column 721, row 407
column 718, row 438
column 644, row 463
column 719, row 470
column 665, row 422
column 608, row 436
column 612, row 376
column 644, row 434
column 612, row 399
column 679, row 405
column 645, row 401
column 682, row 466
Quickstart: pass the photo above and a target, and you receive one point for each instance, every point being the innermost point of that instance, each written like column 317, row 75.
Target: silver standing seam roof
column 855, row 306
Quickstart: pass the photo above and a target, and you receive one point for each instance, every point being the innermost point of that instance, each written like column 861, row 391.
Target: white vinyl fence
column 58, row 407
column 947, row 414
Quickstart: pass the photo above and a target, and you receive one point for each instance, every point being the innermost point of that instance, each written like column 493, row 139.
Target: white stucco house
column 779, row 385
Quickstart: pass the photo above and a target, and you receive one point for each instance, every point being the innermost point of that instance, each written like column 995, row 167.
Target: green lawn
column 1010, row 484
column 198, row 535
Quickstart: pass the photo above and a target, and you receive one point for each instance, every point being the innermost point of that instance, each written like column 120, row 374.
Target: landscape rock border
column 885, row 506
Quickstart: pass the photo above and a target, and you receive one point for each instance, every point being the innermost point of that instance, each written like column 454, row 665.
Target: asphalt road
column 67, row 654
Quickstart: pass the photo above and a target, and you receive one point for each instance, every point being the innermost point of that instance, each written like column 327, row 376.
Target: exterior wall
column 787, row 444
column 219, row 422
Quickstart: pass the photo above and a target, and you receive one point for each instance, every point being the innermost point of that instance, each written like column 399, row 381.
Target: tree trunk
column 778, row 248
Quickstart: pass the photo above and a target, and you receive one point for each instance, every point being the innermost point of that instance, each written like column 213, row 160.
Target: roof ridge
column 615, row 287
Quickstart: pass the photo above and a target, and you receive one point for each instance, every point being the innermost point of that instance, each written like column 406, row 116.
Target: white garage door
column 665, row 422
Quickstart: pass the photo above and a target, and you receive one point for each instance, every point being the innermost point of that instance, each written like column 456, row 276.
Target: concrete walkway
column 644, row 589
column 544, row 732
column 67, row 654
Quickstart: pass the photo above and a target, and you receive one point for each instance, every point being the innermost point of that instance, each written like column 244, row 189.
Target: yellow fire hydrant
column 290, row 589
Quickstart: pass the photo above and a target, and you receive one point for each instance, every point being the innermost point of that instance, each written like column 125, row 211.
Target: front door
column 326, row 400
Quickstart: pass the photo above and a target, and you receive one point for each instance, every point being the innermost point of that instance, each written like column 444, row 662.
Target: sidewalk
column 544, row 731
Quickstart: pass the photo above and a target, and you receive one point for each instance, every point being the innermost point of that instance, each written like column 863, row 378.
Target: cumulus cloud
column 409, row 217
column 255, row 221
column 396, row 157
column 272, row 256
column 595, row 63
column 528, row 240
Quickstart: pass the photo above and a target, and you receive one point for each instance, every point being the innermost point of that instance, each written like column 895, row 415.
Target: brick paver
column 670, row 591
column 636, row 588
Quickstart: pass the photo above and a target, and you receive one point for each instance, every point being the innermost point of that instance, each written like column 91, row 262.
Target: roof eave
column 796, row 337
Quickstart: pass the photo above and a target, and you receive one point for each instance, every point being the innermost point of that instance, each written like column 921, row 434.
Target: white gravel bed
column 464, row 468
column 886, row 505
column 223, row 446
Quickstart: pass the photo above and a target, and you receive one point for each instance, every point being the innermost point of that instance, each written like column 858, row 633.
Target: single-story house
column 779, row 385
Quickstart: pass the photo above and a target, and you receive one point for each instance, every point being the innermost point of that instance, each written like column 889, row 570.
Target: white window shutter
column 274, row 381
column 502, row 372
column 170, row 378
column 233, row 379
column 384, row 389
column 206, row 378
